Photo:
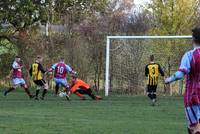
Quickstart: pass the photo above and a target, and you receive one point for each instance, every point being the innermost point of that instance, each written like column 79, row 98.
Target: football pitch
column 113, row 115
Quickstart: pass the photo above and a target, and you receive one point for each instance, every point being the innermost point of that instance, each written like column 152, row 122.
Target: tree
column 172, row 17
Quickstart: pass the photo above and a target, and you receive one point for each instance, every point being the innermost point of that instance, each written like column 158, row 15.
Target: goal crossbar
column 109, row 38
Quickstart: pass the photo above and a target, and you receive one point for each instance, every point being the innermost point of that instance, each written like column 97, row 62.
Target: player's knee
column 194, row 130
column 46, row 86
column 25, row 86
column 57, row 86
column 189, row 131
column 39, row 87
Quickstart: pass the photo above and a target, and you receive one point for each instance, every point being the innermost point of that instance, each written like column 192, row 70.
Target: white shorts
column 18, row 81
column 62, row 82
column 193, row 115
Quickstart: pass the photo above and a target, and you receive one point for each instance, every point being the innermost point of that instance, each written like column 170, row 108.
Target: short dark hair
column 62, row 59
column 17, row 56
column 151, row 57
column 39, row 57
column 196, row 34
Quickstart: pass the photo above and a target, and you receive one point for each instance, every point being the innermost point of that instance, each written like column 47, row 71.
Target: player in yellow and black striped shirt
column 36, row 71
column 152, row 72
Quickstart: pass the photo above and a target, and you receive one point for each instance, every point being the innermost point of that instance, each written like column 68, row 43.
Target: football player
column 152, row 71
column 79, row 87
column 17, row 77
column 190, row 67
column 36, row 72
column 60, row 72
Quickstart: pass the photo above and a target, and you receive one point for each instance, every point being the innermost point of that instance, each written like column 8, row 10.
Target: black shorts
column 40, row 83
column 84, row 91
column 151, row 88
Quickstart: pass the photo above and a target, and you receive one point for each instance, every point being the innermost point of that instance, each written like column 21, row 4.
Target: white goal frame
column 109, row 38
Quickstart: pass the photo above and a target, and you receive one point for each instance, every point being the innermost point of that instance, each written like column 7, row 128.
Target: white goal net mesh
column 128, row 58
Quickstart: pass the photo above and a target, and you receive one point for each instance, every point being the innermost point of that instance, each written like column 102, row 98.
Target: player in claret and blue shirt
column 17, row 77
column 190, row 67
column 60, row 72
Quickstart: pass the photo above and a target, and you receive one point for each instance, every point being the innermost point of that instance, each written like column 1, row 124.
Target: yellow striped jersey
column 152, row 71
column 36, row 71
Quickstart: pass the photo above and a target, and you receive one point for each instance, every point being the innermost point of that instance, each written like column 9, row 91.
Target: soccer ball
column 62, row 94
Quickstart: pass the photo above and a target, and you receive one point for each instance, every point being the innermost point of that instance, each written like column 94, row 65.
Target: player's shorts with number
column 40, row 83
column 60, row 81
column 18, row 81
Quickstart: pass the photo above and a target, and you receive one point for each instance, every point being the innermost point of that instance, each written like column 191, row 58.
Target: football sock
column 154, row 96
column 89, row 92
column 27, row 91
column 37, row 93
column 92, row 96
column 44, row 92
column 189, row 131
column 9, row 90
column 57, row 88
column 150, row 96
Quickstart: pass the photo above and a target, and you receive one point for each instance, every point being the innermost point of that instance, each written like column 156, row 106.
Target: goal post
column 108, row 44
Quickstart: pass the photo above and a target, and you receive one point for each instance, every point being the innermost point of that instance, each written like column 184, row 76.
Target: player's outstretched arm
column 183, row 69
column 177, row 76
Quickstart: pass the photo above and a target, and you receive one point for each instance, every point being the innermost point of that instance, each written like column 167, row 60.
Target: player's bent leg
column 150, row 95
column 46, row 86
column 189, row 131
column 154, row 96
column 77, row 92
column 67, row 90
column 194, row 130
column 89, row 92
column 193, row 117
column 27, row 90
column 45, row 90
column 149, row 92
column 63, row 83
column 9, row 90
column 37, row 92
column 56, row 89
column 98, row 97
column 16, row 82
column 154, row 88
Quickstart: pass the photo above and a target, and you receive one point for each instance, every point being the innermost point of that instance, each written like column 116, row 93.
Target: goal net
column 127, row 56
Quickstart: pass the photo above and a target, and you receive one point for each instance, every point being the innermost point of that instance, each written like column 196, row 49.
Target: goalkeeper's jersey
column 152, row 72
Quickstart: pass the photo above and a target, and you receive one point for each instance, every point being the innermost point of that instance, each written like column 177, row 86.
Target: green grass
column 113, row 115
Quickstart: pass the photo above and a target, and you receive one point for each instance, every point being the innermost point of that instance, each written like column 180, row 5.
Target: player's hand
column 167, row 80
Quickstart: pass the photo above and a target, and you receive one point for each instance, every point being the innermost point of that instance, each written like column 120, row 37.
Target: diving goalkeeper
column 79, row 87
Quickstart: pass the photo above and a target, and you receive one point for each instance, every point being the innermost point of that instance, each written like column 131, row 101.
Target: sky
column 139, row 2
